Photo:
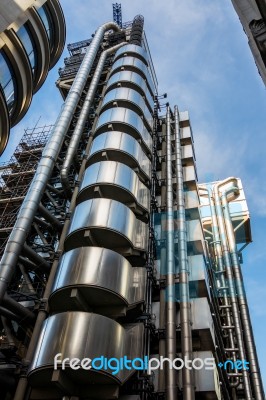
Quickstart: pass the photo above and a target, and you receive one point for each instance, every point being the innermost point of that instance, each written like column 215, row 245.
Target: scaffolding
column 16, row 176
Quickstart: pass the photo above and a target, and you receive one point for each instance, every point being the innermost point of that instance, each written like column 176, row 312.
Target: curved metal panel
column 125, row 95
column 116, row 181
column 20, row 64
column 132, row 63
column 134, row 50
column 59, row 30
column 124, row 119
column 4, row 122
column 42, row 49
column 83, row 335
column 105, row 282
column 119, row 146
column 107, row 223
column 131, row 79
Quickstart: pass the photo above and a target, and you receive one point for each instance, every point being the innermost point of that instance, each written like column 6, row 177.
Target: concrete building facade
column 252, row 15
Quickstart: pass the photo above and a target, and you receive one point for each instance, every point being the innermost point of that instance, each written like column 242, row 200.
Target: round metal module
column 97, row 336
column 120, row 146
column 97, row 279
column 110, row 224
column 114, row 180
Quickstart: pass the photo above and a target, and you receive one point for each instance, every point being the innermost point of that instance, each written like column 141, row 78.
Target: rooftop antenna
column 117, row 14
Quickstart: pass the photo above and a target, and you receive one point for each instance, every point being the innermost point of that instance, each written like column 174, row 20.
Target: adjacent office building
column 112, row 249
column 32, row 38
column 252, row 15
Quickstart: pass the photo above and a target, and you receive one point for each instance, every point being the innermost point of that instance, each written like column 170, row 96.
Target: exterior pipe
column 220, row 280
column 45, row 167
column 171, row 384
column 42, row 313
column 75, row 139
column 162, row 380
column 18, row 309
column 53, row 220
column 8, row 314
column 242, row 301
column 36, row 258
column 231, row 286
column 185, row 320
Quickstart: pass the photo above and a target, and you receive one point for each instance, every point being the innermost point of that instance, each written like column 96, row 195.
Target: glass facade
column 47, row 21
column 28, row 43
column 7, row 80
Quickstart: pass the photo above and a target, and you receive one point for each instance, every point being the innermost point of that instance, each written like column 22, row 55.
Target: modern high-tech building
column 112, row 250
column 32, row 38
column 252, row 15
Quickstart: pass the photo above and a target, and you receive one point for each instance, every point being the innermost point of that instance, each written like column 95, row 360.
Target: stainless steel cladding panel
column 124, row 119
column 103, row 278
column 83, row 335
column 133, row 50
column 123, row 94
column 106, row 223
column 116, row 181
column 133, row 62
column 207, row 382
column 124, row 148
column 202, row 321
column 134, row 80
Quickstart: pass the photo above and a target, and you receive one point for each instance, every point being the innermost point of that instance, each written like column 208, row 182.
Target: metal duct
column 75, row 139
column 185, row 320
column 242, row 300
column 47, row 162
column 222, row 248
column 171, row 384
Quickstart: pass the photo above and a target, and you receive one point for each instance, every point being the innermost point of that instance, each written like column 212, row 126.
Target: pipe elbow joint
column 64, row 180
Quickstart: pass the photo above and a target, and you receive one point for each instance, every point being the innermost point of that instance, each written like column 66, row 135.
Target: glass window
column 29, row 45
column 47, row 21
column 7, row 81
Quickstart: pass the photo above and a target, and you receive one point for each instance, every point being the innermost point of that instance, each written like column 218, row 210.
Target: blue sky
column 202, row 60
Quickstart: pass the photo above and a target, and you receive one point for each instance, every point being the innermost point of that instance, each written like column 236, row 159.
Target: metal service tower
column 111, row 248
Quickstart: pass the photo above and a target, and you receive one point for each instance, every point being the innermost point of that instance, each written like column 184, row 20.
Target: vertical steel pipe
column 185, row 318
column 47, row 162
column 230, row 282
column 242, row 301
column 221, row 280
column 171, row 384
column 75, row 139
